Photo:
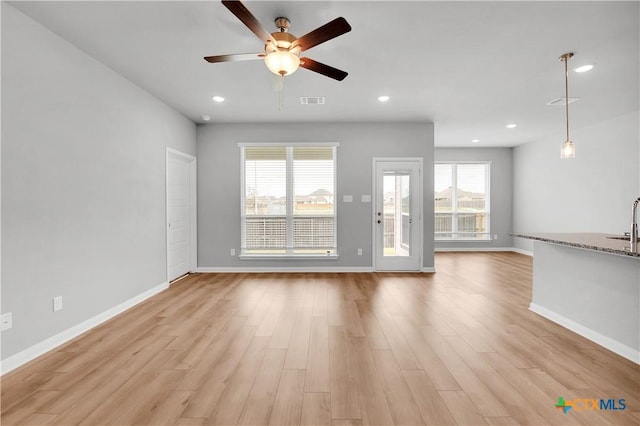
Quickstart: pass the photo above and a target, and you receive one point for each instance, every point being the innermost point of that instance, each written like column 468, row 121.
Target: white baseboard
column 521, row 251
column 53, row 342
column 604, row 341
column 283, row 269
column 345, row 269
column 206, row 269
column 437, row 249
column 472, row 249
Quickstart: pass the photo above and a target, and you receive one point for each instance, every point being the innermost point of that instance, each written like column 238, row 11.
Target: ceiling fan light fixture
column 282, row 62
column 281, row 48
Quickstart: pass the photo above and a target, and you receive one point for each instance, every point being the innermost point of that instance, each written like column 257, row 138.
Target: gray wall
column 219, row 185
column 590, row 193
column 83, row 193
column 501, row 192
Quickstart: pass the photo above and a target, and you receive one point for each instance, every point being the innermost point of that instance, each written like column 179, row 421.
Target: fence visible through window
column 310, row 234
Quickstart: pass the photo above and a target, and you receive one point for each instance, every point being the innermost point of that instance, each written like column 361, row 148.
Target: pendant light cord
column 566, row 92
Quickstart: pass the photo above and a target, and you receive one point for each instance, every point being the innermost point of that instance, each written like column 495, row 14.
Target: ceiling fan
column 281, row 48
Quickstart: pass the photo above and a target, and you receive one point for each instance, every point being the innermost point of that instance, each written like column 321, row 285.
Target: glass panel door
column 398, row 209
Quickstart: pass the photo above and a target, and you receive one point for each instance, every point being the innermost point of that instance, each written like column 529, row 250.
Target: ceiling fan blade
column 243, row 14
column 323, row 69
column 234, row 58
column 324, row 33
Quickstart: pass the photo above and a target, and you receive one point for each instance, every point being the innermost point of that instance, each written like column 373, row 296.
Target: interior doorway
column 181, row 214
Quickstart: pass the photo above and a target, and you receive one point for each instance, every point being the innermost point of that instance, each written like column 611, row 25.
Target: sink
column 627, row 238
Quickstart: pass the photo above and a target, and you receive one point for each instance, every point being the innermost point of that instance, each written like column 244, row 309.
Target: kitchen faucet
column 634, row 225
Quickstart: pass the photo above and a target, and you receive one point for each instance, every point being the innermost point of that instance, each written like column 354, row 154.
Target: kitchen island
column 590, row 284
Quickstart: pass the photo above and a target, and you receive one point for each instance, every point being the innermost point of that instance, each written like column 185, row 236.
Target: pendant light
column 568, row 149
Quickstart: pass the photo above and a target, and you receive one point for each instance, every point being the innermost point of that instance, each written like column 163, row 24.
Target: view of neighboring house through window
column 288, row 204
column 461, row 192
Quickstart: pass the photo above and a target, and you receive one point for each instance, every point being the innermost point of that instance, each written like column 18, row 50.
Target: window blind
column 288, row 200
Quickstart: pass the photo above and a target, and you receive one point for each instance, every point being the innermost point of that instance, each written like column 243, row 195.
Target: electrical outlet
column 495, row 236
column 232, row 252
column 57, row 303
column 359, row 252
column 6, row 321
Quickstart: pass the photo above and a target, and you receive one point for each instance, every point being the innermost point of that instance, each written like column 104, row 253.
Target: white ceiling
column 469, row 67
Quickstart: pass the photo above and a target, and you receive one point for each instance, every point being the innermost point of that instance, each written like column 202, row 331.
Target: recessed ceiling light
column 218, row 98
column 475, row 140
column 562, row 101
column 511, row 126
column 584, row 68
column 206, row 117
column 383, row 98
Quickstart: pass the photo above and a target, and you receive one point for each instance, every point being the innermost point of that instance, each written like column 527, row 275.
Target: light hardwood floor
column 455, row 347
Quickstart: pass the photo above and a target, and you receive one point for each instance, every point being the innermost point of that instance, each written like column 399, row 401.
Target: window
column 287, row 198
column 461, row 200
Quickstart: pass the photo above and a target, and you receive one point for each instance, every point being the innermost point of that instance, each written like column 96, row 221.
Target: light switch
column 347, row 198
column 57, row 303
column 365, row 198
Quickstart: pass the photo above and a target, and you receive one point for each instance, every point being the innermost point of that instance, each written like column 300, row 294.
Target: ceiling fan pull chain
column 281, row 94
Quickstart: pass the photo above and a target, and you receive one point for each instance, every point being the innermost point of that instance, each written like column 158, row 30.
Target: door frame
column 420, row 248
column 193, row 211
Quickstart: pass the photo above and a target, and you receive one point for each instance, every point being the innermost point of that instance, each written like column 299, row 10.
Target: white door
column 398, row 214
column 180, row 214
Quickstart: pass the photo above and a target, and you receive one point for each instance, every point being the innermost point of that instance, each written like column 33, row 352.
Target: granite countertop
column 587, row 241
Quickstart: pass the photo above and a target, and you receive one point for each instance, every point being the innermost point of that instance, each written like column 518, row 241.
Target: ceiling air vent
column 560, row 101
column 312, row 100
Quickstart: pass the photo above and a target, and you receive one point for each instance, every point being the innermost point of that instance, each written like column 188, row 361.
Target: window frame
column 454, row 203
column 289, row 249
